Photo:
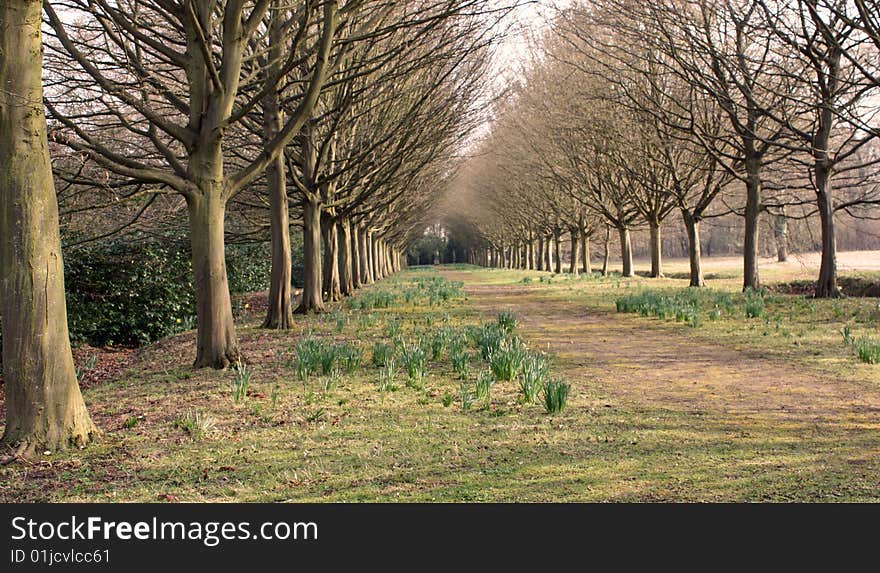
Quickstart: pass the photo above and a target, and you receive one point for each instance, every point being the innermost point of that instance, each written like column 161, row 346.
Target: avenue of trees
column 632, row 113
column 341, row 117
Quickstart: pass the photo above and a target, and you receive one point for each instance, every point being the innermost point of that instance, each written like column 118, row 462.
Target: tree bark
column 575, row 254
column 557, row 251
column 692, row 225
column 280, row 312
column 656, row 251
column 540, row 253
column 607, row 253
column 585, row 253
column 826, row 286
column 312, row 301
column 626, row 251
column 346, row 259
column 753, row 214
column 357, row 270
column 781, row 236
column 44, row 406
column 217, row 346
column 330, row 280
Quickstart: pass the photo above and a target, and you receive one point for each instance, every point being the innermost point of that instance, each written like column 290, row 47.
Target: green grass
column 295, row 440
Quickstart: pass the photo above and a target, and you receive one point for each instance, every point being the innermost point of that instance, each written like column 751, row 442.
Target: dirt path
column 649, row 364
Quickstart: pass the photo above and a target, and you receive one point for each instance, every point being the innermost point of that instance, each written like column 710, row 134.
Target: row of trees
column 631, row 112
column 340, row 116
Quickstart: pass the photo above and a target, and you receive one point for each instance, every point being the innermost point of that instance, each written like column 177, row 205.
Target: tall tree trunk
column 607, row 257
column 557, row 251
column 692, row 225
column 346, row 274
column 312, row 301
column 575, row 248
column 357, row 269
column 585, row 252
column 781, row 235
column 280, row 312
column 368, row 250
column 530, row 254
column 656, row 250
column 753, row 215
column 540, row 253
column 826, row 287
column 330, row 280
column 626, row 252
column 366, row 273
column 217, row 346
column 44, row 406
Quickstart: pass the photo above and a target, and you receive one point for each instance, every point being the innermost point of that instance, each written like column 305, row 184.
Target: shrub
column 555, row 395
column 130, row 290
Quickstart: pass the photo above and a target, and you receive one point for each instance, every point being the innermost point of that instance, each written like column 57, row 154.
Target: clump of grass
column 465, row 396
column 556, row 395
column 460, row 358
column 447, row 400
column 414, row 358
column 130, row 422
column 392, row 328
column 327, row 358
column 196, row 423
column 507, row 359
column 241, row 380
column 507, row 321
column 847, row 335
column 754, row 303
column 867, row 349
column 485, row 380
column 274, row 396
column 381, row 353
column 308, row 357
column 387, row 375
column 533, row 375
column 487, row 338
column 349, row 357
column 438, row 343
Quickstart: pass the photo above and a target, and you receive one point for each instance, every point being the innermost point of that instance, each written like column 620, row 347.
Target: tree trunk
column 368, row 249
column 575, row 247
column 312, row 301
column 585, row 253
column 330, row 280
column 753, row 214
column 356, row 267
column 692, row 225
column 346, row 274
column 826, row 287
column 557, row 252
column 540, row 253
column 607, row 257
column 530, row 254
column 44, row 406
column 656, row 251
column 781, row 236
column 626, row 252
column 217, row 346
column 280, row 312
column 364, row 241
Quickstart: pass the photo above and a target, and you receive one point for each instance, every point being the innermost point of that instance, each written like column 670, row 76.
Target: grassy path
column 656, row 413
column 806, row 424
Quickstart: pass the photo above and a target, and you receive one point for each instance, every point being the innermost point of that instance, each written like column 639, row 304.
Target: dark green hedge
column 136, row 289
